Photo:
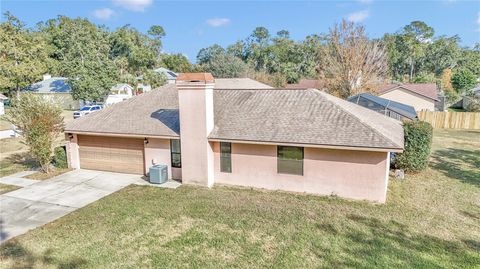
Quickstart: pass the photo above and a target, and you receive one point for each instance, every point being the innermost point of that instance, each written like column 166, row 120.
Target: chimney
column 47, row 76
column 195, row 100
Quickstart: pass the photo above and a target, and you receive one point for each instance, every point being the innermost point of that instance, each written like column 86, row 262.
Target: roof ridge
column 364, row 123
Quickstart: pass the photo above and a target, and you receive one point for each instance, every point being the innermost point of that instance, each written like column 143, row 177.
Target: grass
column 430, row 220
column 52, row 173
column 4, row 188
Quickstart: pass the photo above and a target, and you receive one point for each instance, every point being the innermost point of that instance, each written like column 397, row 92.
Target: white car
column 86, row 110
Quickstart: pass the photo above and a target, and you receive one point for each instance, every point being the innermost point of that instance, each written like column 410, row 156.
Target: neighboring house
column 119, row 93
column 293, row 140
column 384, row 106
column 55, row 89
column 3, row 98
column 169, row 74
column 421, row 96
column 306, row 84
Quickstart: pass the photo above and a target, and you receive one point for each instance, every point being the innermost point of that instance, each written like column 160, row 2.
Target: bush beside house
column 418, row 144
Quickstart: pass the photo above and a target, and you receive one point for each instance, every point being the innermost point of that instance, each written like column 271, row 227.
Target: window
column 176, row 154
column 290, row 160
column 225, row 157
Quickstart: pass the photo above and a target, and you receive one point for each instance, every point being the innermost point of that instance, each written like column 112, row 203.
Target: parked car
column 85, row 111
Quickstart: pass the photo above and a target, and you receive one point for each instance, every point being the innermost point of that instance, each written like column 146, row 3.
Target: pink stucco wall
column 71, row 145
column 195, row 100
column 350, row 174
column 157, row 151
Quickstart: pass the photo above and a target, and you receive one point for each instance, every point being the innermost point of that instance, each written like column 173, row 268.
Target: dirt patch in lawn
column 4, row 188
column 52, row 173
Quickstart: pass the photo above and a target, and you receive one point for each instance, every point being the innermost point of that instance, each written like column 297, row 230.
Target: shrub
column 39, row 121
column 418, row 143
column 60, row 157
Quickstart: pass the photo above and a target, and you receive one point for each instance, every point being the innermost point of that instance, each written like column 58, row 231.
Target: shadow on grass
column 460, row 164
column 17, row 162
column 23, row 258
column 392, row 244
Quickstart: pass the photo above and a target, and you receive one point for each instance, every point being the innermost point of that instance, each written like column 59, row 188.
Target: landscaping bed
column 430, row 220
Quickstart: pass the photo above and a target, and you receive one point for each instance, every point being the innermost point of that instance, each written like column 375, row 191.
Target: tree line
column 345, row 60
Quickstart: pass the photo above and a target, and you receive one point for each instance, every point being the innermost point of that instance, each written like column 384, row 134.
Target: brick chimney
column 195, row 100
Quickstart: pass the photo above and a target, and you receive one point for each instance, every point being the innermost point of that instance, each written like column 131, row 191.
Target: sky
column 192, row 25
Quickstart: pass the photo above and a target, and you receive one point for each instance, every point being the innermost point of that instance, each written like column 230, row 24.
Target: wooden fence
column 451, row 120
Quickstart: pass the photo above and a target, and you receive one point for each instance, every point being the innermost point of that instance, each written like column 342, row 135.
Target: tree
column 157, row 32
column 154, row 79
column 225, row 66
column 463, row 81
column 23, row 55
column 40, row 122
column 137, row 50
column 82, row 50
column 206, row 55
column 176, row 62
column 352, row 63
column 442, row 54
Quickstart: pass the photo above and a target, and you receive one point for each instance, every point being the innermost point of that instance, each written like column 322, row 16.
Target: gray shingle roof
column 305, row 116
column 51, row 85
column 301, row 116
column 146, row 114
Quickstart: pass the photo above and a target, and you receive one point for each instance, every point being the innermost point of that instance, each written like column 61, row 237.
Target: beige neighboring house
column 55, row 89
column 225, row 131
column 421, row 96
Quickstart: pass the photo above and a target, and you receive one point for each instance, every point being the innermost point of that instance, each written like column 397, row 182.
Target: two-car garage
column 115, row 154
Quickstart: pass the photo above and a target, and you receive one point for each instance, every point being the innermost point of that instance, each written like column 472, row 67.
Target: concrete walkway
column 41, row 202
column 18, row 179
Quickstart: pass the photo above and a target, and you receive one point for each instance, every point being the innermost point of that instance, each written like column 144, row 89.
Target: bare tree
column 350, row 62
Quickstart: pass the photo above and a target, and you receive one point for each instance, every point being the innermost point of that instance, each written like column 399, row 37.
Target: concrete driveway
column 42, row 202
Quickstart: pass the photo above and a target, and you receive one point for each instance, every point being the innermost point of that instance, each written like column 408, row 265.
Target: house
column 118, row 93
column 169, row 74
column 306, row 84
column 55, row 89
column 384, row 106
column 421, row 96
column 299, row 140
column 3, row 98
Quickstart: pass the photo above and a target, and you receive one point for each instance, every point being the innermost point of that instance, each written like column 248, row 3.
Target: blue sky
column 192, row 25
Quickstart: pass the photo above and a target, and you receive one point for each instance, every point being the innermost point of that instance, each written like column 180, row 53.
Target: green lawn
column 431, row 220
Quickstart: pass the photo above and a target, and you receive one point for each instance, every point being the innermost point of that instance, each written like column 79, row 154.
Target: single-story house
column 384, row 106
column 299, row 140
column 2, row 103
column 119, row 93
column 55, row 89
column 421, row 96
column 169, row 74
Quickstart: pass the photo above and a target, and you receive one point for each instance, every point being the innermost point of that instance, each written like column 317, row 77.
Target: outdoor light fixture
column 70, row 136
column 145, row 141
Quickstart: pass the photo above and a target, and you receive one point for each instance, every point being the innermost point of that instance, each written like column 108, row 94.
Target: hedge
column 60, row 157
column 418, row 144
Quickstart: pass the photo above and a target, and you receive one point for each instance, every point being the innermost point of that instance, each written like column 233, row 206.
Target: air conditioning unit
column 158, row 174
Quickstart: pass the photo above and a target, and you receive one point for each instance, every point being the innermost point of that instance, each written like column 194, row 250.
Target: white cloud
column 358, row 16
column 133, row 5
column 103, row 13
column 217, row 22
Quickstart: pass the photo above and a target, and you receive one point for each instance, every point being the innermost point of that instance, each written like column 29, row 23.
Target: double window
column 290, row 160
column 225, row 157
column 176, row 153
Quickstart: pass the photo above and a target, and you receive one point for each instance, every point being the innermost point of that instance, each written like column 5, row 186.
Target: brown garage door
column 116, row 154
